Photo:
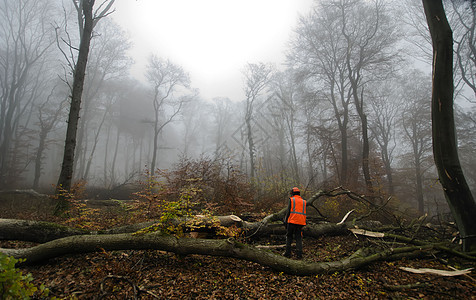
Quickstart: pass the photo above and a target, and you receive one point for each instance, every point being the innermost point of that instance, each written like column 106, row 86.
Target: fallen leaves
column 167, row 276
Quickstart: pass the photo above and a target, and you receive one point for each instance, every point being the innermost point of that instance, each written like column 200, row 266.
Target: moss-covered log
column 41, row 232
column 34, row 231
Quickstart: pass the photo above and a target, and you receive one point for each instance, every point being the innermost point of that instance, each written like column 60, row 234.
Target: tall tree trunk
column 388, row 170
column 419, row 186
column 38, row 159
column 66, row 175
column 113, row 164
column 251, row 147
column 154, row 150
column 5, row 152
column 96, row 140
column 281, row 148
column 141, row 146
column 365, row 153
column 344, row 155
column 292, row 139
column 311, row 173
column 359, row 105
column 45, row 127
column 106, row 151
column 342, row 121
column 445, row 151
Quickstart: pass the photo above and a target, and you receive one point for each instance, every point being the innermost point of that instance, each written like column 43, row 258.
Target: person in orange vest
column 294, row 221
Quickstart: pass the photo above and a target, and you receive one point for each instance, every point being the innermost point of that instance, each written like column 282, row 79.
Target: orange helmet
column 295, row 191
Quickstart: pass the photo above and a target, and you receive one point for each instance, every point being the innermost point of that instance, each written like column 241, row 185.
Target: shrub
column 219, row 187
column 15, row 285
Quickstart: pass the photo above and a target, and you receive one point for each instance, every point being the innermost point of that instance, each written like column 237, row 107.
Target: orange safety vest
column 297, row 214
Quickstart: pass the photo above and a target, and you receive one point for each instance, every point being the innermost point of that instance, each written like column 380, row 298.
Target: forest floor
column 161, row 275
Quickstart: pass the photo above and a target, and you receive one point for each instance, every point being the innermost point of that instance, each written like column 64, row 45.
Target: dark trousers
column 294, row 230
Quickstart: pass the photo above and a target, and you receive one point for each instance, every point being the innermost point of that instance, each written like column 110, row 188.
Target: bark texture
column 66, row 175
column 41, row 232
column 184, row 246
column 32, row 231
column 445, row 147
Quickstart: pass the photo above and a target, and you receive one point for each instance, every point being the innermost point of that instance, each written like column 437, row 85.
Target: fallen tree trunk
column 329, row 229
column 34, row 231
column 41, row 232
column 184, row 246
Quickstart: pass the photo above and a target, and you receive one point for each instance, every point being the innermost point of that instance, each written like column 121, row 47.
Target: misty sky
column 210, row 39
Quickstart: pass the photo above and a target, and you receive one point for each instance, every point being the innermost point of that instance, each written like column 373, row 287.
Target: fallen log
column 41, row 232
column 34, row 231
column 326, row 229
column 185, row 246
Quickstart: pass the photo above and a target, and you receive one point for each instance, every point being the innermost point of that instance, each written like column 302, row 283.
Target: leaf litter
column 151, row 274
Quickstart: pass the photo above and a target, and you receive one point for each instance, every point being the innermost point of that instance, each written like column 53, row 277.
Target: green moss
column 57, row 227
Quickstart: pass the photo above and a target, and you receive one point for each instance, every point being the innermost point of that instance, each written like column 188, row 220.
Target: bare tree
column 166, row 78
column 108, row 61
column 48, row 116
column 87, row 19
column 24, row 44
column 257, row 77
column 461, row 17
column 445, row 150
column 196, row 124
column 112, row 92
column 385, row 104
column 322, row 137
column 340, row 47
column 464, row 28
column 417, row 37
column 127, row 104
column 286, row 112
column 223, row 117
column 466, row 128
column 317, row 54
column 417, row 128
column 369, row 52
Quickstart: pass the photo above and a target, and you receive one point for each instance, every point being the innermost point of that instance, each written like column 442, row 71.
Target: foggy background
column 262, row 86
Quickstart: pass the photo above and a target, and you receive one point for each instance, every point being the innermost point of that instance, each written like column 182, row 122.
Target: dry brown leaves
column 157, row 274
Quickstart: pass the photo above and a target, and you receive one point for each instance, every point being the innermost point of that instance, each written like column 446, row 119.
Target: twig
column 465, row 275
column 118, row 278
column 143, row 290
